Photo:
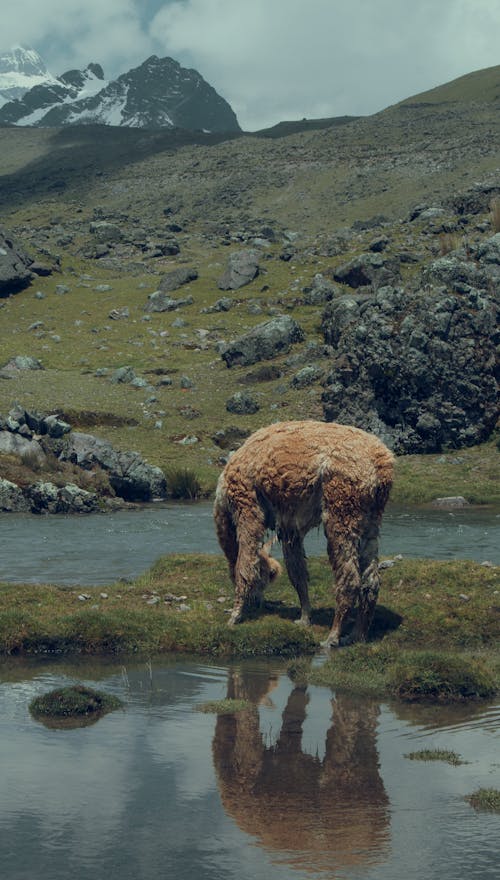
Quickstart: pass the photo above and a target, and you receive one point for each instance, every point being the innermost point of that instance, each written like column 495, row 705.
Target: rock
column 162, row 302
column 416, row 366
column 231, row 437
column 242, row 403
column 368, row 269
column 127, row 376
column 12, row 499
column 177, row 278
column 451, row 502
column 321, row 291
column 306, row 376
column 22, row 362
column 265, row 341
column 129, row 475
column 221, row 305
column 29, row 451
column 45, row 497
column 105, row 232
column 242, row 268
column 15, row 265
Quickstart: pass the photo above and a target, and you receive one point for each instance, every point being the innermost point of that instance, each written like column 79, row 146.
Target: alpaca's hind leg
column 342, row 535
column 226, row 535
column 296, row 566
column 370, row 580
column 251, row 572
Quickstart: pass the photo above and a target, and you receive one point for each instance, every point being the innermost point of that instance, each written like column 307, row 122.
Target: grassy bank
column 432, row 616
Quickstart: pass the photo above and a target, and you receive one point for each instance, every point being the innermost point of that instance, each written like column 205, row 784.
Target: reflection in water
column 294, row 789
column 319, row 814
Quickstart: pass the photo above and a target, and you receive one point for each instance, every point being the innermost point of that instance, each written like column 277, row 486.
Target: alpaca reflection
column 321, row 814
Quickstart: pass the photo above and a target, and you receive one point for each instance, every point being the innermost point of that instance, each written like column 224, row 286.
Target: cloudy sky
column 272, row 59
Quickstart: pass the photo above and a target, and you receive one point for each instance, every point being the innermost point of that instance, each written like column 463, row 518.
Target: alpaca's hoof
column 236, row 616
column 303, row 621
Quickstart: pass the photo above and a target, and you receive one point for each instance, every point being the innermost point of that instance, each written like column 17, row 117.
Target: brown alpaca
column 290, row 477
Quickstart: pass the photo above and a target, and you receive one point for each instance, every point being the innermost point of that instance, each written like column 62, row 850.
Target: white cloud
column 272, row 59
column 276, row 60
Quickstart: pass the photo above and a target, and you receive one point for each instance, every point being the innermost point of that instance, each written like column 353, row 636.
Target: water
column 299, row 786
column 99, row 549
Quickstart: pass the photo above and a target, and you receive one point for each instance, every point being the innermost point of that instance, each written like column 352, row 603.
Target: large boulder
column 160, row 301
column 177, row 278
column 415, row 366
column 368, row 269
column 130, row 476
column 242, row 268
column 15, row 271
column 27, row 449
column 265, row 341
column 45, row 497
column 12, row 499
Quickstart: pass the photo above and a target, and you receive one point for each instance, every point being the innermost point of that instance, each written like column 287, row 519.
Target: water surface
column 303, row 784
column 98, row 549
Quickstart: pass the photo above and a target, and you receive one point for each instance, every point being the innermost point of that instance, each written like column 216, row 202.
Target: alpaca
column 290, row 477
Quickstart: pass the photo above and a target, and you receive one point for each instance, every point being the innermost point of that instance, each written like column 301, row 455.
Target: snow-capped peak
column 21, row 68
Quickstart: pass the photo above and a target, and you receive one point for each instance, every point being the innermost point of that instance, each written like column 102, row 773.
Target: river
column 98, row 549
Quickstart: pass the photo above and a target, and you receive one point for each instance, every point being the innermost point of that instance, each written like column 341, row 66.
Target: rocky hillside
column 157, row 94
column 179, row 290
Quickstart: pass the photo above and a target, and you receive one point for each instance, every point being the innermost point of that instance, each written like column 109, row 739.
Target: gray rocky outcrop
column 242, row 403
column 24, row 447
column 417, row 366
column 15, row 265
column 159, row 301
column 34, row 437
column 177, row 278
column 45, row 497
column 129, row 475
column 12, row 499
column 368, row 269
column 263, row 342
column 242, row 268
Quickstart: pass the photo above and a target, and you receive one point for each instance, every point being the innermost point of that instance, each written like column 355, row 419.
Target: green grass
column 426, row 642
column 485, row 799
column 449, row 757
column 224, row 707
column 75, row 700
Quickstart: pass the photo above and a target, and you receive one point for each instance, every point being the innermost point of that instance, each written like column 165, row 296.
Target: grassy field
column 438, row 621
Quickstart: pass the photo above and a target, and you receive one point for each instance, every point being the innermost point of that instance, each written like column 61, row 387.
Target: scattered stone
column 263, row 342
column 162, row 302
column 116, row 314
column 177, row 278
column 452, row 502
column 15, row 265
column 243, row 267
column 242, row 403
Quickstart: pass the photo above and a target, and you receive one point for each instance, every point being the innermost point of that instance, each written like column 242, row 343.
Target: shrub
column 183, row 483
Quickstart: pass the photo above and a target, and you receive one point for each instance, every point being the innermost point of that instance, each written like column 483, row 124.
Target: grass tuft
column 424, row 675
column 223, row 707
column 75, row 700
column 485, row 799
column 182, row 483
column 449, row 757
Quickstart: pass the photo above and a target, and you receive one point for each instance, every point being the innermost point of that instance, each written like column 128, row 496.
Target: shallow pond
column 99, row 549
column 303, row 784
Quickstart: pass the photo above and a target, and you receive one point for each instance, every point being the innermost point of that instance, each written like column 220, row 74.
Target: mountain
column 20, row 70
column 157, row 94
